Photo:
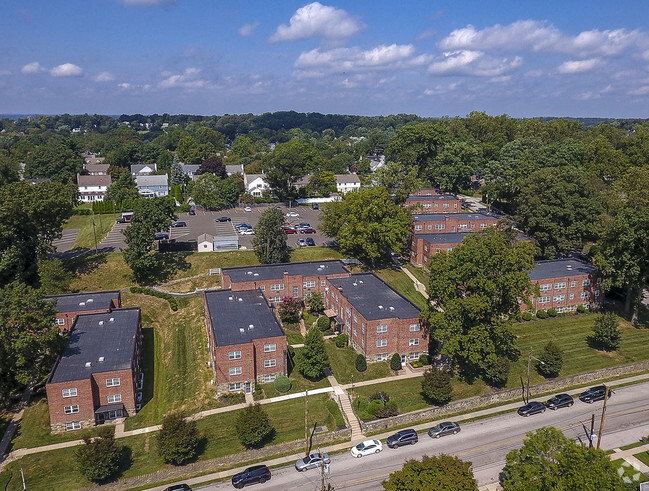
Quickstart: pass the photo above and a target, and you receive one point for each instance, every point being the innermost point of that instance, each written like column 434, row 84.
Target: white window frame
column 235, row 386
column 381, row 343
column 270, row 348
column 440, row 227
column 545, row 287
column 269, row 378
column 559, row 285
column 381, row 328
column 415, row 327
column 69, row 392
column 113, row 382
column 235, row 371
column 418, row 228
column 73, row 425
column 277, row 287
column 584, row 295
column 234, row 355
column 308, row 284
column 413, row 342
column 71, row 409
column 585, row 282
column 270, row 363
column 382, row 357
column 60, row 322
column 113, row 398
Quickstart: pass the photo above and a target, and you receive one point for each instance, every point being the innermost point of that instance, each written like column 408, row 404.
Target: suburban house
column 347, row 182
column 376, row 162
column 564, row 284
column 70, row 305
column 96, row 169
column 91, row 159
column 143, row 169
column 449, row 223
column 439, row 203
column 92, row 188
column 256, row 184
column 96, row 377
column 246, row 341
column 286, row 279
column 152, row 186
column 234, row 169
column 190, row 170
column 378, row 320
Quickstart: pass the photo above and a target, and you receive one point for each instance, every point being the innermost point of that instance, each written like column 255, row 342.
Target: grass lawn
column 398, row 280
column 643, row 457
column 418, row 273
column 629, row 471
column 86, row 237
column 343, row 365
column 293, row 337
column 298, row 384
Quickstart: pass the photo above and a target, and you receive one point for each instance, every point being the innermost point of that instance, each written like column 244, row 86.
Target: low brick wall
column 501, row 396
column 214, row 465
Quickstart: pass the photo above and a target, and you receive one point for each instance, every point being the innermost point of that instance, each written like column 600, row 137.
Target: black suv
column 403, row 437
column 594, row 394
column 558, row 401
column 252, row 475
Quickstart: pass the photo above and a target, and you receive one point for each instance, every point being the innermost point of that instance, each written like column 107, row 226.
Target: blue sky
column 371, row 57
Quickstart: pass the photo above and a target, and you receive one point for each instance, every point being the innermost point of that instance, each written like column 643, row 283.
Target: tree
column 400, row 180
column 121, row 189
column 253, row 426
column 269, row 241
column 560, row 208
column 59, row 159
column 178, row 439
column 417, row 145
column 30, row 340
column 213, row 165
column 551, row 360
column 367, row 224
column 606, row 334
column 289, row 309
column 475, row 289
column 53, row 276
column 395, row 362
column 454, row 165
column 549, row 460
column 176, row 176
column 436, row 385
column 360, row 363
column 289, row 162
column 98, row 458
column 213, row 193
column 314, row 302
column 312, row 359
column 438, row 473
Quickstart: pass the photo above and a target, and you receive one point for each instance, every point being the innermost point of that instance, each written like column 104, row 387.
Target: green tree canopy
column 59, row 159
column 288, row 162
column 551, row 360
column 436, row 385
column 98, row 458
column 253, row 426
column 417, row 145
column 312, row 359
column 606, row 334
column 122, row 188
column 269, row 241
column 439, row 473
column 400, row 180
column 214, row 193
column 178, row 439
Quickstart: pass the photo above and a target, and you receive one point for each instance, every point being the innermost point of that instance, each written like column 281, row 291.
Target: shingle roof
column 451, row 238
column 276, row 271
column 79, row 302
column 347, row 178
column 557, row 268
column 156, row 180
column 99, row 180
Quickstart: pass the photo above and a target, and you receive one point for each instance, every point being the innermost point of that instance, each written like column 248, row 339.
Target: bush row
column 173, row 304
column 544, row 314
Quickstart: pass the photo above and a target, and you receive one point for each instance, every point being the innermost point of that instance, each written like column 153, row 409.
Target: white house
column 256, row 184
column 152, row 186
column 205, row 243
column 347, row 182
column 143, row 169
column 92, row 188
column 190, row 170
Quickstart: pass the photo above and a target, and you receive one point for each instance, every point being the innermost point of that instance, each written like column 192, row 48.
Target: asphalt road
column 485, row 443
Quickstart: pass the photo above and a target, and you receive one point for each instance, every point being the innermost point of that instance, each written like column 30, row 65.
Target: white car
column 368, row 447
column 247, row 208
column 246, row 231
column 292, row 214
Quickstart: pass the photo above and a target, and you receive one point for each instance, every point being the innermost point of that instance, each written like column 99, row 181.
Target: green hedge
column 527, row 316
column 323, row 323
column 542, row 314
column 333, row 408
column 81, row 211
column 581, row 309
column 552, row 312
column 283, row 384
column 103, row 207
column 341, row 340
column 173, row 304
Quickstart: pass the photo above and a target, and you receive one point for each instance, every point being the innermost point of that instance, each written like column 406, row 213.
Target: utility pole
column 95, row 234
column 601, row 423
column 592, row 429
column 306, row 423
column 529, row 367
column 322, row 470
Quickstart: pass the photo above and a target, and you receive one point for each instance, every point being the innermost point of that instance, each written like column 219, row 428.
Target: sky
column 368, row 57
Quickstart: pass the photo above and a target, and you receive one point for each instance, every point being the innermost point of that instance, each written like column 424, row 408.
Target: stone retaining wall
column 214, row 465
column 501, row 396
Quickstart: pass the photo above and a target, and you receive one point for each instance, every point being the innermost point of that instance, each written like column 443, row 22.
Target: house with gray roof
column 152, row 186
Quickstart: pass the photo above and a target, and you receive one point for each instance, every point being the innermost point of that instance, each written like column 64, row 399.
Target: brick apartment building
column 440, row 203
column 564, row 284
column 70, row 305
column 378, row 319
column 422, row 246
column 246, row 341
column 94, row 381
column 286, row 279
column 449, row 223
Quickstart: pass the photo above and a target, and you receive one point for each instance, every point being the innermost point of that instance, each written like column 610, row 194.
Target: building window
column 559, row 298
column 235, row 386
column 269, row 348
column 440, row 227
column 483, row 225
column 269, row 378
column 545, row 287
column 60, row 322
column 572, row 296
column 544, row 299
column 296, row 292
column 426, row 248
column 414, row 327
column 418, row 228
column 381, row 328
column 413, row 342
column 355, row 333
column 114, row 398
column 234, row 355
column 585, row 282
column 235, row 371
column 74, row 425
column 413, row 356
column 71, row 409
column 276, row 287
column 348, row 324
column 382, row 357
column 426, row 205
column 597, row 293
column 69, row 392
column 462, row 226
column 308, row 284
column 599, row 280
column 355, row 318
column 363, row 343
column 381, row 343
column 270, row 363
column 348, row 311
column 112, row 382
column 584, row 295
column 559, row 285
column 275, row 299
column 262, row 288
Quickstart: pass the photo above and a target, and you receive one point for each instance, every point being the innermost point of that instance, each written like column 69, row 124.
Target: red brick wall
column 278, row 355
column 84, row 399
column 421, row 250
column 595, row 294
column 452, row 224
column 69, row 316
column 435, row 206
column 427, row 192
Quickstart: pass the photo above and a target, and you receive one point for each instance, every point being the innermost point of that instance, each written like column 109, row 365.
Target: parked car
column 161, row 236
column 292, row 214
column 311, row 461
column 289, row 230
column 224, row 219
column 443, row 429
column 310, row 241
column 314, row 206
column 246, row 231
column 192, row 212
column 252, row 475
column 243, row 225
column 559, row 401
column 247, row 209
column 121, row 220
column 530, row 408
column 367, row 447
column 301, row 243
column 179, row 224
column 178, row 487
column 403, row 437
column 594, row 394
column 304, row 225
column 307, row 230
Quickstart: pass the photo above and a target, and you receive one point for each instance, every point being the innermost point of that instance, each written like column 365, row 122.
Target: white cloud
column 473, row 63
column 644, row 90
column 248, row 30
column 66, row 70
column 104, row 77
column 578, row 66
column 317, row 20
column 124, row 85
column 31, row 68
column 186, row 80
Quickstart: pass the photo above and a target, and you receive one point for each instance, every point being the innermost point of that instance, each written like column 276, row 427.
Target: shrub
column 387, row 412
column 379, row 396
column 283, row 384
column 436, row 385
column 230, row 398
column 541, row 314
column 323, row 323
column 606, row 334
column 81, row 211
column 341, row 340
column 305, row 315
column 98, row 458
column 581, row 309
column 373, row 407
column 552, row 312
column 312, row 360
column 289, row 309
column 425, row 359
column 395, row 362
column 333, row 408
column 527, row 316
column 178, row 439
column 314, row 302
column 253, row 426
column 551, row 360
column 361, row 363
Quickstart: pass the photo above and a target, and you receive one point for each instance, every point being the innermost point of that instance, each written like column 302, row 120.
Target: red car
column 289, row 230
column 308, row 230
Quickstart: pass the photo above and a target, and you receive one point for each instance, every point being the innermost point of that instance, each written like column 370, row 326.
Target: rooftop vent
column 240, row 299
column 101, row 358
column 101, row 323
column 88, row 364
column 391, row 309
column 248, row 272
column 355, row 284
column 230, row 298
column 360, row 281
column 242, row 330
column 256, row 274
column 89, row 300
column 380, row 307
column 82, row 304
column 112, row 319
column 322, row 266
column 251, row 326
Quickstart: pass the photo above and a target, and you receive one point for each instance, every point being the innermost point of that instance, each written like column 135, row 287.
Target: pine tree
column 551, row 360
column 606, row 334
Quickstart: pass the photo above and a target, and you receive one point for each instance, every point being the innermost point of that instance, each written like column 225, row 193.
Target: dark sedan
column 179, row 224
column 161, row 236
column 255, row 474
column 594, row 394
column 224, row 219
column 121, row 220
column 403, row 437
column 310, row 241
column 530, row 408
column 444, row 429
column 559, row 401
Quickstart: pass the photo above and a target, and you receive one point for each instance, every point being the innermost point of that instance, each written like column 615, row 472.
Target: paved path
column 67, row 240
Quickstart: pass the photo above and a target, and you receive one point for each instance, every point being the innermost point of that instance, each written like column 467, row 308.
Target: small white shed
column 205, row 243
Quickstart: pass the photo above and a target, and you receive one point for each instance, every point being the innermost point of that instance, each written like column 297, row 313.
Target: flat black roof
column 94, row 336
column 452, row 238
column 434, row 197
column 76, row 302
column 373, row 298
column 556, row 268
column 234, row 312
column 276, row 271
column 440, row 217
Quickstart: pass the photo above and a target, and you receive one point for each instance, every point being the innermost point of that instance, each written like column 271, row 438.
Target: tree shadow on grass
column 163, row 268
column 268, row 439
column 85, row 263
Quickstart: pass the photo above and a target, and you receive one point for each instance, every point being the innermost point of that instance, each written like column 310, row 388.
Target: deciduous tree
column 213, row 193
column 269, row 241
column 436, row 385
column 98, row 458
column 606, row 334
column 439, row 473
column 178, row 439
column 253, row 426
column 122, row 188
column 312, row 359
column 551, row 360
column 400, row 180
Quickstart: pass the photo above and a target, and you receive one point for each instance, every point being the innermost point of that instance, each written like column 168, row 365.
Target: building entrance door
column 403, row 360
column 247, row 387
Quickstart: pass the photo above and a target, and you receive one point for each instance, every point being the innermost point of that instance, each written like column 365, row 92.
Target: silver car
column 311, row 462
